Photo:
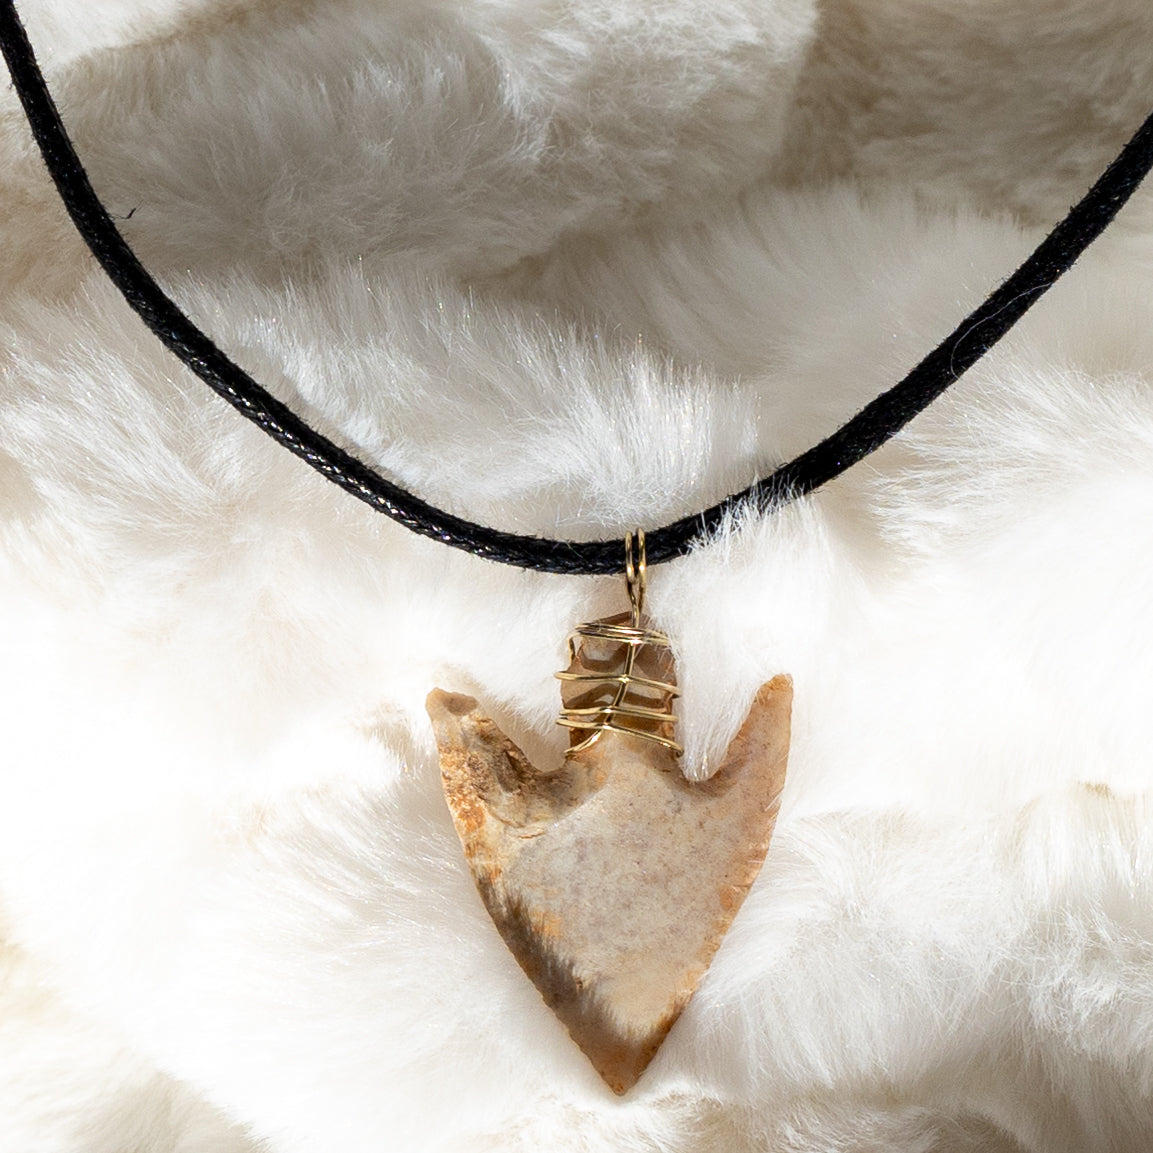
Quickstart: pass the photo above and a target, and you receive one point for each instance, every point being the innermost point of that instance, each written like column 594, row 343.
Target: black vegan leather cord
column 875, row 424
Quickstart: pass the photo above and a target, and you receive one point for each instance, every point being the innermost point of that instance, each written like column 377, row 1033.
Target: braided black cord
column 876, row 423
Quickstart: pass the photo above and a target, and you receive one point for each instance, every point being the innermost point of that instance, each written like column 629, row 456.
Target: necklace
column 598, row 914
column 875, row 424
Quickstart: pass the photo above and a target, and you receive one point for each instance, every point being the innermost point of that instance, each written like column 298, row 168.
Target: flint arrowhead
column 613, row 879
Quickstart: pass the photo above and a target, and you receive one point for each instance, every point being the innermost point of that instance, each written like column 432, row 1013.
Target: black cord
column 876, row 423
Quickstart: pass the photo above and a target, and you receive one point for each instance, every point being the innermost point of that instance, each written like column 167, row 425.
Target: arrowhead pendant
column 612, row 879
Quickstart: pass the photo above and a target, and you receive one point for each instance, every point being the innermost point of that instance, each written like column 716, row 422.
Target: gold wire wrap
column 653, row 721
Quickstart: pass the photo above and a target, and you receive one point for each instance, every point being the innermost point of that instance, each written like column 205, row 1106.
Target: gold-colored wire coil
column 623, row 713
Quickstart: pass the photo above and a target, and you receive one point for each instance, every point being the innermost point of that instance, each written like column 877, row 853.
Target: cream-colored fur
column 566, row 268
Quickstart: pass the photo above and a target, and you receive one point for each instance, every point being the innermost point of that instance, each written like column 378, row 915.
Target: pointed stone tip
column 621, row 1070
column 457, row 704
column 619, row 1051
column 782, row 683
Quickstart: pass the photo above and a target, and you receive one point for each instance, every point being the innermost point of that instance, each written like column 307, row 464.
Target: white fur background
column 568, row 266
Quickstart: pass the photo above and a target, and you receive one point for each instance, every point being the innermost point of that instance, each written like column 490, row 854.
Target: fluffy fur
column 567, row 268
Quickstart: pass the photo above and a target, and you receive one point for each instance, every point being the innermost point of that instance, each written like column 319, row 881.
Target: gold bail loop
column 635, row 573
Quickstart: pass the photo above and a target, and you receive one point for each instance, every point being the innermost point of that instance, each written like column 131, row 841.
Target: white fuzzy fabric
column 568, row 267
